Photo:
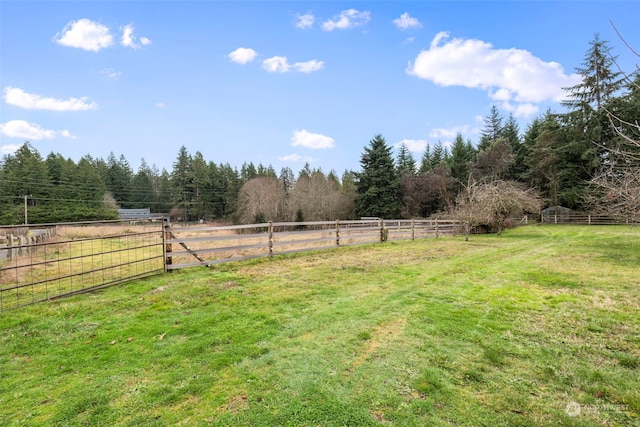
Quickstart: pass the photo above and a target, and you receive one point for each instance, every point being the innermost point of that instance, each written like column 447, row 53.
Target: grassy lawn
column 515, row 330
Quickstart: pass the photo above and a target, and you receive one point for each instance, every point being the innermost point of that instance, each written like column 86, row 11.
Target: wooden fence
column 204, row 245
column 67, row 259
column 579, row 219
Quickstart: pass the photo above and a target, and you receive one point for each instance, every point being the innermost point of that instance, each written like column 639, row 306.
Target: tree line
column 578, row 159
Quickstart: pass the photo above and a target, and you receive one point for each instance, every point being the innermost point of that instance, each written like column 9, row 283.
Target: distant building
column 131, row 214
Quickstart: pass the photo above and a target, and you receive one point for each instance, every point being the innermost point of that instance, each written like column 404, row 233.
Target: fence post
column 383, row 238
column 9, row 245
column 589, row 220
column 555, row 220
column 413, row 229
column 337, row 232
column 270, row 238
column 437, row 231
column 166, row 235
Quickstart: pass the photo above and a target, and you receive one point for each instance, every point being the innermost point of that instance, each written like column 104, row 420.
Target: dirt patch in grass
column 381, row 336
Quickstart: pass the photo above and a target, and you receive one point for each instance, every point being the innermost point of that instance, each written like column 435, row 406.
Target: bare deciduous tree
column 491, row 204
column 261, row 199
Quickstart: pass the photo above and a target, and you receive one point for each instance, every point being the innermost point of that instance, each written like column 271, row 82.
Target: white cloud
column 276, row 64
column 65, row 133
column 129, row 39
column 160, row 105
column 349, row 18
column 111, row 73
column 25, row 130
column 314, row 141
column 242, row 55
column 308, row 66
column 305, row 21
column 508, row 75
column 414, row 145
column 30, row 101
column 406, row 22
column 520, row 110
column 84, row 34
column 280, row 64
column 296, row 158
column 450, row 132
column 408, row 40
column 9, row 148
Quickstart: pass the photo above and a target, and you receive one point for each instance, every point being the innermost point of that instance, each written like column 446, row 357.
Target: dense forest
column 578, row 158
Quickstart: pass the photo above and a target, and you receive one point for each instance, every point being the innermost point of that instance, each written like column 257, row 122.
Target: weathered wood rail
column 205, row 245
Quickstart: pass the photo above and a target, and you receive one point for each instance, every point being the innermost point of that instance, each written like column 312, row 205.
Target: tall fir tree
column 406, row 162
column 462, row 154
column 492, row 129
column 378, row 183
column 181, row 182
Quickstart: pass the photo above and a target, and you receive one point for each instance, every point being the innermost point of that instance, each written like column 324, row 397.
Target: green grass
column 497, row 331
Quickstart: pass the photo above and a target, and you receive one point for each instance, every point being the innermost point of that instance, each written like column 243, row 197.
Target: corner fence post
column 270, row 238
column 166, row 235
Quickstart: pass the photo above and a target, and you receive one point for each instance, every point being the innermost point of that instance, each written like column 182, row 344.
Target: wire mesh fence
column 44, row 262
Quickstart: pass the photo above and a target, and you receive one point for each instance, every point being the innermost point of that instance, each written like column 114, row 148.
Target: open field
column 540, row 326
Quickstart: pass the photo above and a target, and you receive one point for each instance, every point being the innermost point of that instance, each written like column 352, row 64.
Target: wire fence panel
column 75, row 258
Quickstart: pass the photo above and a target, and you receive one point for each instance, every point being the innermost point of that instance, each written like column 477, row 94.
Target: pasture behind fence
column 75, row 257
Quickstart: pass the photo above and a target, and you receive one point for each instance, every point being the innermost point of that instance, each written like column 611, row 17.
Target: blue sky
column 284, row 83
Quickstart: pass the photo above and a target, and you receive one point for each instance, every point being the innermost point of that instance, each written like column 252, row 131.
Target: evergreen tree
column 425, row 160
column 287, row 178
column 492, row 129
column 248, row 172
column 587, row 121
column 406, row 162
column 378, row 185
column 181, row 183
column 24, row 174
column 118, row 179
column 200, row 186
column 511, row 133
column 462, row 154
column 142, row 188
column 438, row 156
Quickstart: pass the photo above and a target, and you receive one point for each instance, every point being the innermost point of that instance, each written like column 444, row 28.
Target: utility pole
column 26, row 220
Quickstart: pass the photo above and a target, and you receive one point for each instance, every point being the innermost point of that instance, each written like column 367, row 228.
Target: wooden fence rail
column 213, row 245
column 582, row 219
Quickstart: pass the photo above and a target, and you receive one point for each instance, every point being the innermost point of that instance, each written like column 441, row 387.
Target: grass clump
column 502, row 330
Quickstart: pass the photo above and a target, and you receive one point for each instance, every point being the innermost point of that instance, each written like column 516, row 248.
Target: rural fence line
column 80, row 257
column 44, row 262
column 204, row 245
column 579, row 219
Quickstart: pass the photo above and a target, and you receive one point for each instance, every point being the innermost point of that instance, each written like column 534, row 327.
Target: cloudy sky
column 284, row 83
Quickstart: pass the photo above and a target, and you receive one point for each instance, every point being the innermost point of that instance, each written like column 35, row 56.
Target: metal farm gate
column 44, row 262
